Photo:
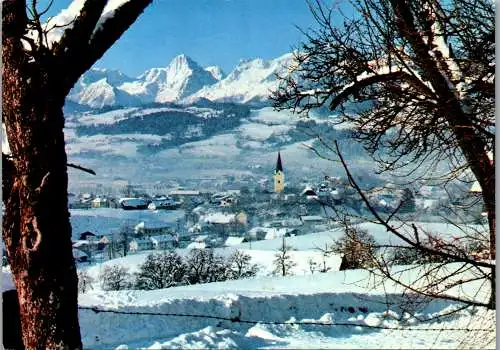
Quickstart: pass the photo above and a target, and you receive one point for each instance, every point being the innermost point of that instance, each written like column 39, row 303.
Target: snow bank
column 337, row 313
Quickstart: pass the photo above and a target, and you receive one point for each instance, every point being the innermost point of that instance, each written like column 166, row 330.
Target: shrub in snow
column 283, row 263
column 357, row 248
column 204, row 266
column 84, row 281
column 114, row 277
column 161, row 270
column 240, row 266
column 313, row 265
column 407, row 202
column 411, row 255
column 325, row 253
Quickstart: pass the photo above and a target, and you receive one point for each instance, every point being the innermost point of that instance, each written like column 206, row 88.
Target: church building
column 279, row 176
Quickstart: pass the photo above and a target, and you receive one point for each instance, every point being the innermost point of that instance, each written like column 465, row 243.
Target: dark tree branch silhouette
column 424, row 72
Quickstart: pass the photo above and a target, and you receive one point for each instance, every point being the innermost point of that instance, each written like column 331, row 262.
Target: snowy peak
column 97, row 88
column 100, row 94
column 181, row 65
column 181, row 80
column 250, row 81
column 112, row 76
column 216, row 72
column 154, row 76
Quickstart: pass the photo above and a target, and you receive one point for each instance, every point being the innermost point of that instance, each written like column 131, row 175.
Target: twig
column 90, row 171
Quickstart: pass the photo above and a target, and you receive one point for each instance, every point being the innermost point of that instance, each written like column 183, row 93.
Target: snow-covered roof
column 219, row 218
column 426, row 203
column 273, row 233
column 132, row 202
column 196, row 245
column 258, row 229
column 292, row 222
column 80, row 243
column 430, row 191
column 184, row 193
column 151, row 225
column 164, row 201
column 335, row 194
column 230, row 241
column 308, row 191
column 162, row 238
column 77, row 253
column 194, row 228
column 201, row 238
column 144, row 240
column 476, row 187
column 312, row 218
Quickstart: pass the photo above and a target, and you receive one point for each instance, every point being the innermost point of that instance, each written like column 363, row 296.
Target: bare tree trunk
column 36, row 228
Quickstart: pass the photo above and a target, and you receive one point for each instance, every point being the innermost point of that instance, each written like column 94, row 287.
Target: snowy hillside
column 181, row 80
column 203, row 140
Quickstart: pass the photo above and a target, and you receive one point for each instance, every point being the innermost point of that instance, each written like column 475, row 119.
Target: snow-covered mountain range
column 182, row 80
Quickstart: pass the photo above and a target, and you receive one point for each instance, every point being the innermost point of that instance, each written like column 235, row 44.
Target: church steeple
column 279, row 176
column 279, row 166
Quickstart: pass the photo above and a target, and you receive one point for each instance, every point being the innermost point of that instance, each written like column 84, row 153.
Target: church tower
column 279, row 176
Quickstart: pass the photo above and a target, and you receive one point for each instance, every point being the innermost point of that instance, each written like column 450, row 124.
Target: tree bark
column 36, row 227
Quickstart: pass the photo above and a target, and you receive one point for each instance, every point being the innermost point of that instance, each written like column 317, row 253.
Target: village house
column 99, row 202
column 256, row 233
column 133, row 203
column 148, row 228
column 313, row 223
column 164, row 202
column 80, row 256
column 197, row 245
column 233, row 240
column 273, row 233
column 79, row 202
column 138, row 244
column 219, row 223
column 87, row 235
column 164, row 241
column 187, row 196
column 309, row 194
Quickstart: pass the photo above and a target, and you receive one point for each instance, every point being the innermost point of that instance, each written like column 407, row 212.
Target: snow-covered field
column 349, row 316
column 337, row 309
column 346, row 309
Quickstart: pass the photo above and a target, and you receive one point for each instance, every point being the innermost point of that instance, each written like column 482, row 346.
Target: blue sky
column 212, row 32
